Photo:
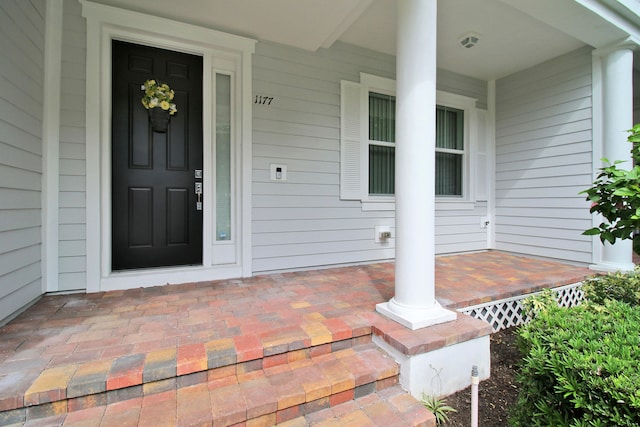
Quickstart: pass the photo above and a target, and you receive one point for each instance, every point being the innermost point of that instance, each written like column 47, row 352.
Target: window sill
column 379, row 205
column 441, row 205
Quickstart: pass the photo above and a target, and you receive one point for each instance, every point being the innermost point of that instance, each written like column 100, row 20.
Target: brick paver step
column 391, row 407
column 83, row 385
column 294, row 391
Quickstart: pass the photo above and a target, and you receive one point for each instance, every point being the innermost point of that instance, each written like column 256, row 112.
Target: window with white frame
column 368, row 142
column 450, row 151
column 382, row 143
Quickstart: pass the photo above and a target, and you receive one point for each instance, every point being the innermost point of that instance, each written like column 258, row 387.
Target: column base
column 415, row 317
column 611, row 267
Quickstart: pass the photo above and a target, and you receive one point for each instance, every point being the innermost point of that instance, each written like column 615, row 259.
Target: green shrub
column 620, row 286
column 580, row 367
column 615, row 196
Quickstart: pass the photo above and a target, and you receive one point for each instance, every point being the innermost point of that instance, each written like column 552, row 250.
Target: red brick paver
column 113, row 339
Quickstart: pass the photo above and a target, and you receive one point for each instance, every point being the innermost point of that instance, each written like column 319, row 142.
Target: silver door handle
column 199, row 194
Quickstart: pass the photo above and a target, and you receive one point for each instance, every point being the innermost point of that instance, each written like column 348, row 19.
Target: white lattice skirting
column 508, row 312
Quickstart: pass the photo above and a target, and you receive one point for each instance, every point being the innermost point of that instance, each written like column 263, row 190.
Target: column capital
column 627, row 43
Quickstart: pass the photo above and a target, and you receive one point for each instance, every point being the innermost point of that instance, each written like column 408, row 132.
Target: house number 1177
column 263, row 100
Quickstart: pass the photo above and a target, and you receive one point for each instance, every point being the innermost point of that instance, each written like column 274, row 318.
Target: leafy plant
column 540, row 302
column 580, row 367
column 615, row 194
column 438, row 407
column 620, row 286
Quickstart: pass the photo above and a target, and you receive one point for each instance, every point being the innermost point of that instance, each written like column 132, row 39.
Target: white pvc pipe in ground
column 475, row 380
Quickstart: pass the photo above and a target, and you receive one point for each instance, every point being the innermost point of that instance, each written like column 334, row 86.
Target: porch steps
column 339, row 378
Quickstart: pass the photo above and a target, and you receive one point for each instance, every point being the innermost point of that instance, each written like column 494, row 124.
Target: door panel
column 141, row 213
column 155, row 222
column 177, row 216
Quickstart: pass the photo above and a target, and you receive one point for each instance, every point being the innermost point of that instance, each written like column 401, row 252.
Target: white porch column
column 617, row 118
column 414, row 304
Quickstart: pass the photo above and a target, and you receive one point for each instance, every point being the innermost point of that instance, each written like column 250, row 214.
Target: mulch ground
column 497, row 394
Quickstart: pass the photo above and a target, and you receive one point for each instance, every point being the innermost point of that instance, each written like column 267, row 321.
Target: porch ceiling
column 515, row 34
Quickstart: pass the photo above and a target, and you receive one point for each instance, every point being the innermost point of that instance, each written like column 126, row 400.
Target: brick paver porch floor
column 115, row 333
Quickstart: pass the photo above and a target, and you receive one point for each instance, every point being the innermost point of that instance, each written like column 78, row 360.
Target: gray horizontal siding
column 544, row 158
column 460, row 231
column 302, row 222
column 21, row 101
column 72, row 194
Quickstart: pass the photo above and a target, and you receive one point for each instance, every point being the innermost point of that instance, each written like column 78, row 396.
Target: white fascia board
column 589, row 21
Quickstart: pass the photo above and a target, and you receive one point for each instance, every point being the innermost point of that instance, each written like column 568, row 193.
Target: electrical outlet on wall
column 382, row 234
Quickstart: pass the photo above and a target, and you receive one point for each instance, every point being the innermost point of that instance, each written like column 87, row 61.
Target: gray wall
column 21, row 104
column 544, row 158
column 303, row 222
column 297, row 224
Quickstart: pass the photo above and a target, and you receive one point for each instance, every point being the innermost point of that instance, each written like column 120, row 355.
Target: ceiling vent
column 469, row 40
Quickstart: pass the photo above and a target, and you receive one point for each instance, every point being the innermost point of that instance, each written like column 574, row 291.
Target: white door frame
column 221, row 52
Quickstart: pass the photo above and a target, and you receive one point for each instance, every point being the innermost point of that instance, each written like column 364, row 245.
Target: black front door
column 156, row 221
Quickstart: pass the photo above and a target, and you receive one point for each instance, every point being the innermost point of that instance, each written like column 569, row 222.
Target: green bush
column 615, row 196
column 621, row 286
column 580, row 367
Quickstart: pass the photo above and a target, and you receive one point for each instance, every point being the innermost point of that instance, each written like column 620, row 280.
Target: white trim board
column 51, row 146
column 220, row 52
